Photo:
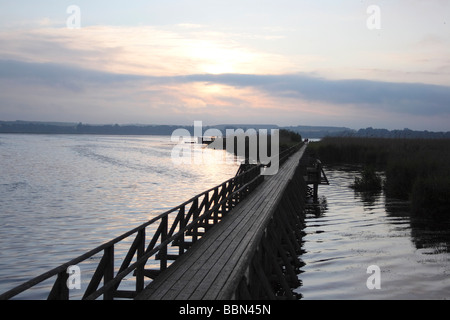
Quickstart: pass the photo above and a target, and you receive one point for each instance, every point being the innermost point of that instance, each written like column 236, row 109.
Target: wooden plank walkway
column 213, row 267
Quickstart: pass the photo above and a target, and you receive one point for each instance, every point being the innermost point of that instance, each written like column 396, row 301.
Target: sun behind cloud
column 219, row 56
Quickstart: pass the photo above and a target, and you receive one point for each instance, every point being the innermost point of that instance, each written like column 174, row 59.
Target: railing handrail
column 252, row 175
column 150, row 253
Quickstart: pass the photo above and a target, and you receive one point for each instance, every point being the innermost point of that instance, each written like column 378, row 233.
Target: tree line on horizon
column 134, row 129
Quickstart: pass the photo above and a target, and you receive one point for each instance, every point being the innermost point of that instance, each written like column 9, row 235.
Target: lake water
column 351, row 231
column 63, row 195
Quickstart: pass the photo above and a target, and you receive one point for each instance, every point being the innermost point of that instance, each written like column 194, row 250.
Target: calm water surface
column 351, row 231
column 61, row 196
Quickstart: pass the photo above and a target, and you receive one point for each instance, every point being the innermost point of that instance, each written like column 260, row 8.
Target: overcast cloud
column 293, row 63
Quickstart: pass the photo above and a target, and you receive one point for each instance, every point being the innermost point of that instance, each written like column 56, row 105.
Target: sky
column 352, row 63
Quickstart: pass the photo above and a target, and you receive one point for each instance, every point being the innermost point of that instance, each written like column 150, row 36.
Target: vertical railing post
column 205, row 222
column 60, row 290
column 214, row 203
column 109, row 272
column 141, row 267
column 238, row 182
column 181, row 240
column 195, row 214
column 163, row 251
column 222, row 197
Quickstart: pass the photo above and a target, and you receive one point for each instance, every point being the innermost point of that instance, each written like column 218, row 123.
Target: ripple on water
column 63, row 195
column 351, row 234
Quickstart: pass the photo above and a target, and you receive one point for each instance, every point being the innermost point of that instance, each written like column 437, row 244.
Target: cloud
column 60, row 77
column 408, row 98
column 294, row 63
column 398, row 98
column 147, row 50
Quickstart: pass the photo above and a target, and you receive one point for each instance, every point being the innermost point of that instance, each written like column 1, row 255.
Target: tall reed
column 416, row 169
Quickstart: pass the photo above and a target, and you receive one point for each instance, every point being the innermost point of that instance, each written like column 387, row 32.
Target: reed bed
column 415, row 169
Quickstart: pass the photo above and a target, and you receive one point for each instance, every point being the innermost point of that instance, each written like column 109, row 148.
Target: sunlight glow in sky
column 280, row 62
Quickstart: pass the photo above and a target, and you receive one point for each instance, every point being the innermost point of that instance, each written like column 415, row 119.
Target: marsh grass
column 369, row 180
column 416, row 169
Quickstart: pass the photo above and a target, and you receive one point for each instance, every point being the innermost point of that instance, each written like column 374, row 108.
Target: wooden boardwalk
column 238, row 240
column 219, row 265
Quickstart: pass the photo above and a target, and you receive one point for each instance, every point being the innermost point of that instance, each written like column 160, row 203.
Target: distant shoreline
column 310, row 132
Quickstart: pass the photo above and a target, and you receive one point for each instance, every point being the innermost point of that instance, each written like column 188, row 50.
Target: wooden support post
column 316, row 192
column 277, row 269
column 262, row 277
column 243, row 292
column 290, row 276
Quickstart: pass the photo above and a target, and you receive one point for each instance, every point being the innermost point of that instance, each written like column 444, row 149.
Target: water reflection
column 369, row 199
column 347, row 231
column 63, row 195
column 431, row 234
column 426, row 232
column 316, row 209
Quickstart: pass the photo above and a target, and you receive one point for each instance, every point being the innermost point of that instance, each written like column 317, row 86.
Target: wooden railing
column 179, row 228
